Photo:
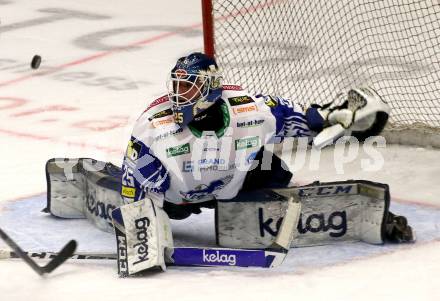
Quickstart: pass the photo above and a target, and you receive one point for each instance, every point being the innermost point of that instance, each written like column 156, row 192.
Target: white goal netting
column 311, row 50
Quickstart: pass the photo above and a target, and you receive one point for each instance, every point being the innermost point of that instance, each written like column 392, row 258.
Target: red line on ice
column 54, row 139
column 98, row 55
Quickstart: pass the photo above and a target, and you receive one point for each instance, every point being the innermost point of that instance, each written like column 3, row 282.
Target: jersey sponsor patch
column 168, row 134
column 245, row 109
column 161, row 114
column 240, row 100
column 207, row 165
column 250, row 123
column 128, row 192
column 248, row 142
column 178, row 150
column 164, row 121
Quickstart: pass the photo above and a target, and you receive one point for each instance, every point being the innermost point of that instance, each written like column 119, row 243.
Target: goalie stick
column 7, row 254
column 185, row 256
column 265, row 258
column 56, row 261
column 199, row 256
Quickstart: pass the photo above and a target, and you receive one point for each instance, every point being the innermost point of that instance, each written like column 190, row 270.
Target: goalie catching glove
column 363, row 114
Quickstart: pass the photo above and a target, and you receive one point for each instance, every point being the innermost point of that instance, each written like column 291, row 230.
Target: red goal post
column 312, row 50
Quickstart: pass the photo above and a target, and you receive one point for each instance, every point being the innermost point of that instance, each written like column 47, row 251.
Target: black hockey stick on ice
column 6, row 254
column 65, row 253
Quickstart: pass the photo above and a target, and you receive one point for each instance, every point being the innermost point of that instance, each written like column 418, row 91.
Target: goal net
column 310, row 51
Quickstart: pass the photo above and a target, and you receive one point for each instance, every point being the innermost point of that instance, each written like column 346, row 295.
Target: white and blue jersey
column 184, row 165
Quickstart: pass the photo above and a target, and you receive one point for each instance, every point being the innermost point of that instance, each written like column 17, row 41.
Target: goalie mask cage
column 310, row 51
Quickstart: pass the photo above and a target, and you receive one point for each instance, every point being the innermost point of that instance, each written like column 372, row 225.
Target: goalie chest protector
column 208, row 165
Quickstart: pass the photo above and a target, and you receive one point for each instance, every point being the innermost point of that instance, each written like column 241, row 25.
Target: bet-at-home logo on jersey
column 249, row 142
column 178, row 150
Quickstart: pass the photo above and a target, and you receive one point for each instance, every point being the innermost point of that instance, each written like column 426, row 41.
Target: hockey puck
column 36, row 61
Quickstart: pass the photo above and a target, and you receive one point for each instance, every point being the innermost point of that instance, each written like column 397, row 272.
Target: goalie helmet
column 193, row 86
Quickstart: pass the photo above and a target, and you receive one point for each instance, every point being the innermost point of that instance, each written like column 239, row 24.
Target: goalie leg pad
column 143, row 232
column 83, row 188
column 331, row 212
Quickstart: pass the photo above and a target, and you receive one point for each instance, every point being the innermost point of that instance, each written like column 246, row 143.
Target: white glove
column 338, row 115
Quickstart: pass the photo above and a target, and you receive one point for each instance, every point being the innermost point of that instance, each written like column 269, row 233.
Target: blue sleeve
column 143, row 173
column 314, row 119
column 290, row 118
